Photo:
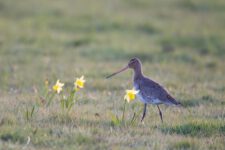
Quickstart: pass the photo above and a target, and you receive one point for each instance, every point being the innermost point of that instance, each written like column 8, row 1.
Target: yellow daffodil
column 130, row 95
column 79, row 83
column 58, row 87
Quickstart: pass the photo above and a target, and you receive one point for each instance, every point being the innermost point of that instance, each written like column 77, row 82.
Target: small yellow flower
column 46, row 82
column 79, row 83
column 130, row 95
column 58, row 87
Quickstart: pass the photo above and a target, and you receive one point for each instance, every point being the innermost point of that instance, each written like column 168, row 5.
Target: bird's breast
column 136, row 86
column 146, row 98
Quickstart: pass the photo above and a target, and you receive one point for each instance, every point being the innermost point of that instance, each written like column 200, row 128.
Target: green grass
column 202, row 129
column 181, row 45
column 183, row 145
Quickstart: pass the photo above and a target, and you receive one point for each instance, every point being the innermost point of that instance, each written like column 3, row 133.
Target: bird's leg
column 160, row 113
column 144, row 112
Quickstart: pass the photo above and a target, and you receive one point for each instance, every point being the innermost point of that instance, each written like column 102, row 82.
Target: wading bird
column 150, row 92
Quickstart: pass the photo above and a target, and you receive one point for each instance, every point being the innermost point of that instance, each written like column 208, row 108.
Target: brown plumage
column 150, row 92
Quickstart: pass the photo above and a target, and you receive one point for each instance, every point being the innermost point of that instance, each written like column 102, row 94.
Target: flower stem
column 50, row 99
column 124, row 108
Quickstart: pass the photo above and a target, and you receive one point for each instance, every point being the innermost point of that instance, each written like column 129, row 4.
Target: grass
column 185, row 144
column 179, row 42
column 202, row 129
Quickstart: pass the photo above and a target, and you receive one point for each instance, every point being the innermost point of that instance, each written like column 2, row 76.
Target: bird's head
column 134, row 63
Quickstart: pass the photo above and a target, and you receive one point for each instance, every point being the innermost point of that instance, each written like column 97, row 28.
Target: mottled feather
column 153, row 93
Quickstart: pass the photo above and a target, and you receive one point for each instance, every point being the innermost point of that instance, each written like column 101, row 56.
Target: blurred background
column 44, row 38
column 180, row 42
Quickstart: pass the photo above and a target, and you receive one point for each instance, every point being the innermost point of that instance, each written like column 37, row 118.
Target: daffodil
column 130, row 95
column 58, row 86
column 79, row 83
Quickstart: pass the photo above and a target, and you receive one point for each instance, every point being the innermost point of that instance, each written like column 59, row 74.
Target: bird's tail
column 173, row 101
column 179, row 104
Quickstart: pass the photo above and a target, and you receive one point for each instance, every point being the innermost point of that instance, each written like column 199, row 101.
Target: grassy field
column 181, row 45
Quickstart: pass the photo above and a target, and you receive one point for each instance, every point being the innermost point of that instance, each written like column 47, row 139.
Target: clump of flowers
column 55, row 93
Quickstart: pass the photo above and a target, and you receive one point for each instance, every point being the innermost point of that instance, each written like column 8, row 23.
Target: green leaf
column 62, row 103
column 115, row 120
column 32, row 111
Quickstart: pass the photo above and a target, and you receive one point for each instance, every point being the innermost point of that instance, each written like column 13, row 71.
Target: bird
column 150, row 92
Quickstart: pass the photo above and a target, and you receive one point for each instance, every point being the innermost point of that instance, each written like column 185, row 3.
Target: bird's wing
column 152, row 90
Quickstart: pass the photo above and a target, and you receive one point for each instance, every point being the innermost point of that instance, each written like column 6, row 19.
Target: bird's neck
column 137, row 73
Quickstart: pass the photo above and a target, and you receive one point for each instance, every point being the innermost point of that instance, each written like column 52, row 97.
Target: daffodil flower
column 130, row 95
column 58, row 87
column 79, row 83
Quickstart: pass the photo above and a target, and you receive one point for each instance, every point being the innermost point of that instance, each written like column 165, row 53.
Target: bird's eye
column 132, row 60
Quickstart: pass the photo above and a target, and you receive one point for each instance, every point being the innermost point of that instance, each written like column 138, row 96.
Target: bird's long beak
column 125, row 68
